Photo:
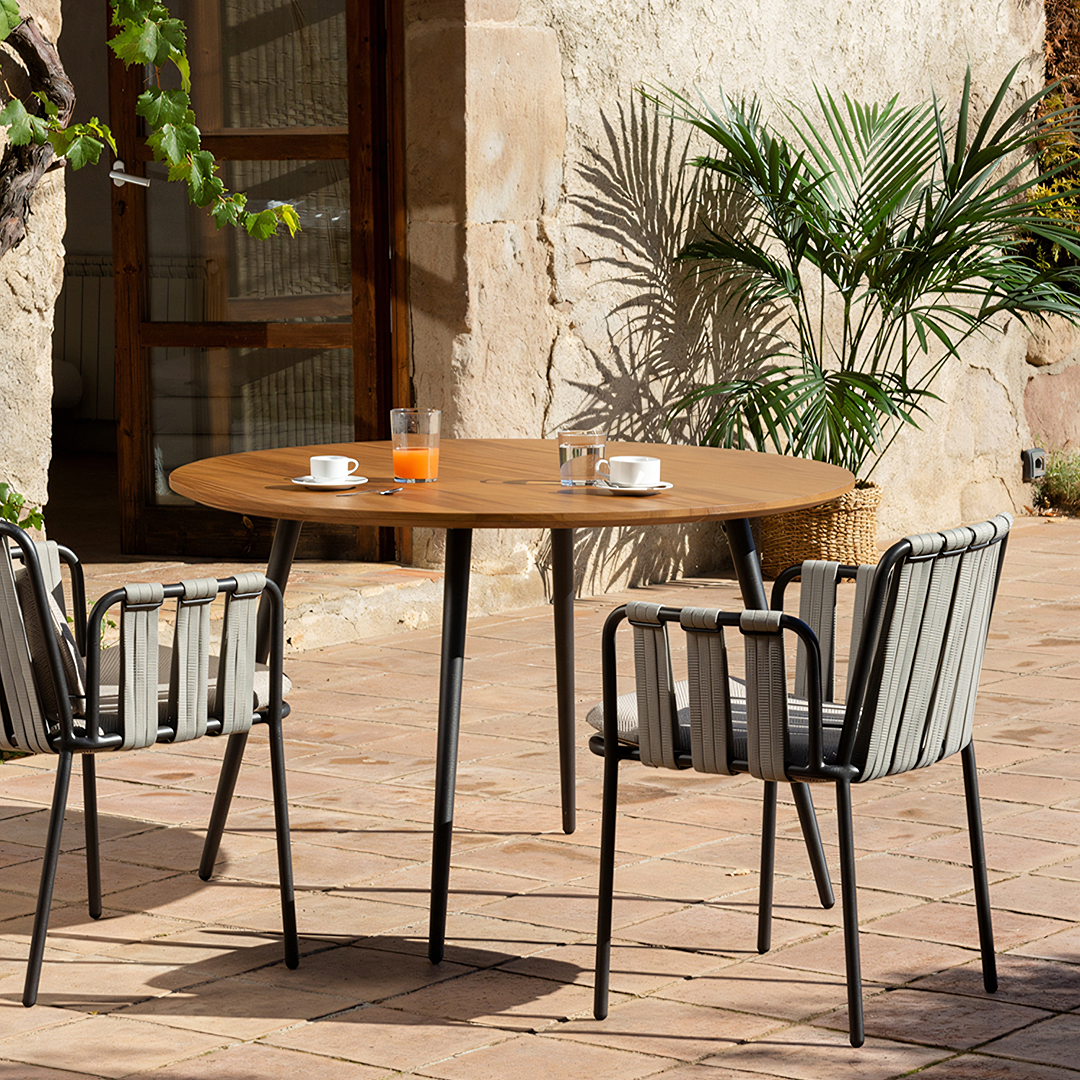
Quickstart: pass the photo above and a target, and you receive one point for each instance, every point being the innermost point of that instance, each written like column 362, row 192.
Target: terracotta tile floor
column 183, row 980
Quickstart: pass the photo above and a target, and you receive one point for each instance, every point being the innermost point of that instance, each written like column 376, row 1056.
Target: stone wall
column 545, row 201
column 30, row 279
column 1052, row 392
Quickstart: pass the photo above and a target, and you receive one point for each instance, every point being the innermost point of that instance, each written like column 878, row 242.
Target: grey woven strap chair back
column 920, row 690
column 59, row 697
column 920, row 620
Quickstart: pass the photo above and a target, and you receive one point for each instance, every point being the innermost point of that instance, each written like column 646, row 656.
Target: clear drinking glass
column 580, row 450
column 416, row 445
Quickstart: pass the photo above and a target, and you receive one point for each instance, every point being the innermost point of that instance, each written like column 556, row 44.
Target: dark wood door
column 225, row 343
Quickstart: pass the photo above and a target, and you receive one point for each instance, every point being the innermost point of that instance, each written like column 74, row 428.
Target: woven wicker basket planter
column 843, row 531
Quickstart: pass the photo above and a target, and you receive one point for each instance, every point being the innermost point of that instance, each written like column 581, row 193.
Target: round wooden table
column 495, row 484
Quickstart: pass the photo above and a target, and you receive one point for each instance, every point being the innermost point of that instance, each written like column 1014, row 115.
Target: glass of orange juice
column 416, row 445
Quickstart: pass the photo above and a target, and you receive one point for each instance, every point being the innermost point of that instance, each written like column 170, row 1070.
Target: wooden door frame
column 378, row 327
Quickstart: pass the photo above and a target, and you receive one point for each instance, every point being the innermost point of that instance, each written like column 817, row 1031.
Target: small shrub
column 1059, row 489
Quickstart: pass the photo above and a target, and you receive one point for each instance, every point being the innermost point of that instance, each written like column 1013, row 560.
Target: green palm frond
column 910, row 222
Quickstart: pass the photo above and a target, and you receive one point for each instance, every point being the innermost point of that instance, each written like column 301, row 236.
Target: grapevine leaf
column 203, row 185
column 39, row 129
column 180, row 171
column 287, row 214
column 153, row 45
column 184, row 67
column 61, row 140
column 132, row 10
column 77, row 146
column 23, row 127
column 174, row 142
column 172, row 31
column 17, row 120
column 262, row 225
column 127, row 44
column 163, row 106
column 102, row 131
column 226, row 212
column 9, row 17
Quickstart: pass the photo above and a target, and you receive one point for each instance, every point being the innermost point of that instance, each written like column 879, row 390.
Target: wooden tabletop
column 505, row 483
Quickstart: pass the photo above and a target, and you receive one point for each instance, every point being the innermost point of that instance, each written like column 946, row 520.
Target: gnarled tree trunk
column 22, row 167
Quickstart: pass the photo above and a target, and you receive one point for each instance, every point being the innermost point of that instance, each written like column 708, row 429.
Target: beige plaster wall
column 30, row 279
column 542, row 284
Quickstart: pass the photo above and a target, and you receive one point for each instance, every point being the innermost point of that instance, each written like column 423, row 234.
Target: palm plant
column 909, row 224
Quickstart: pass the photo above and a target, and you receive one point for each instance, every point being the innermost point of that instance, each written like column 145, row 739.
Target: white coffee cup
column 333, row 467
column 631, row 471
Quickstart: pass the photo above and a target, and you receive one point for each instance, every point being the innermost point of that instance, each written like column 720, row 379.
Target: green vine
column 146, row 35
column 13, row 506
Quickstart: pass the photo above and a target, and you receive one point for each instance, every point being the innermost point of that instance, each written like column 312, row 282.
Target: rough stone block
column 503, row 388
column 516, row 123
column 435, row 122
column 490, row 10
column 1052, row 407
column 1053, row 342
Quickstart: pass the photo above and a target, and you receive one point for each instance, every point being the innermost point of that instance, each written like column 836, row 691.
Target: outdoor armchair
column 919, row 631
column 131, row 695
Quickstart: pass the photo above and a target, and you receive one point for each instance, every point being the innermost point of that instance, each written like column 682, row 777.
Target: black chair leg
column 48, row 877
column 768, row 865
column 93, row 836
column 607, row 883
column 856, row 1027
column 284, row 848
column 804, row 803
column 978, row 867
column 230, row 770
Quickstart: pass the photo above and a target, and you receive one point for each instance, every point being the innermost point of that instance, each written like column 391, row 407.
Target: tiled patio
column 183, row 981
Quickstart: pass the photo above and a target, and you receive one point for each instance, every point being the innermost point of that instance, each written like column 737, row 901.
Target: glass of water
column 580, row 451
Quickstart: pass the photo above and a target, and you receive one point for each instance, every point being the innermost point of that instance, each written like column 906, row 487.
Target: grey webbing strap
column 912, row 741
column 969, row 664
column 190, row 675
column 817, row 608
column 658, row 714
column 21, row 705
column 48, row 552
column 139, row 665
column 711, row 742
column 235, row 702
column 766, row 694
column 899, row 655
column 865, row 576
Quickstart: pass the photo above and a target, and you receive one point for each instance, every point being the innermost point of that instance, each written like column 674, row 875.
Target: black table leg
column 286, row 536
column 747, row 564
column 455, row 612
column 282, row 553
column 562, row 553
column 748, row 570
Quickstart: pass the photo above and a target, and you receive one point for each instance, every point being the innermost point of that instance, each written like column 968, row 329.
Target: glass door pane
column 280, row 63
column 198, row 274
column 224, row 401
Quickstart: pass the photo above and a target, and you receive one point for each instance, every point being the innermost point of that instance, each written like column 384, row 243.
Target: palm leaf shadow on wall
column 667, row 335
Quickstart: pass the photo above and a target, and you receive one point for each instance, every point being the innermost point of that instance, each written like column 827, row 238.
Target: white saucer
column 342, row 484
column 606, row 488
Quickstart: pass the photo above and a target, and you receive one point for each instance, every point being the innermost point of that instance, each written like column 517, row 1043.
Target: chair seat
column 798, row 710
column 109, row 709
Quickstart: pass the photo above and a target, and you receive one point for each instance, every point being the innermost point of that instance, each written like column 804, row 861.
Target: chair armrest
column 186, row 711
column 767, row 696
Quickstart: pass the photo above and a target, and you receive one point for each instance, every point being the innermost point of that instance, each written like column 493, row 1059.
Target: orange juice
column 416, row 462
